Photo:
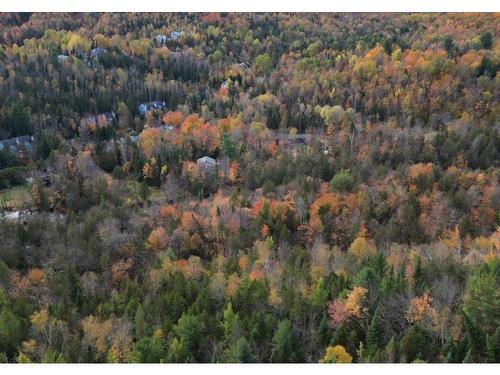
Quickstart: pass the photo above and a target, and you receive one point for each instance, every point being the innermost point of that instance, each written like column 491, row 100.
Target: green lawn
column 155, row 193
column 16, row 197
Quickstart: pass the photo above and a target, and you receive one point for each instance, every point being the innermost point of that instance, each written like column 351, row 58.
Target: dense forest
column 249, row 187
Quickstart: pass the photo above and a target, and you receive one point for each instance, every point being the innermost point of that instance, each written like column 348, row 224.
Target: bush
column 118, row 173
column 343, row 181
column 11, row 177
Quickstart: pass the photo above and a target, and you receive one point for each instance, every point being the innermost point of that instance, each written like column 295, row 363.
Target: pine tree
column 240, row 352
column 411, row 230
column 392, row 350
column 468, row 357
column 493, row 346
column 140, row 324
column 418, row 278
column 231, row 324
column 374, row 335
column 449, row 350
column 227, row 146
column 282, row 343
column 475, row 338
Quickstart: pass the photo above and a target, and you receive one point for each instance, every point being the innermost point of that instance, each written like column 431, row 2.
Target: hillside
column 249, row 187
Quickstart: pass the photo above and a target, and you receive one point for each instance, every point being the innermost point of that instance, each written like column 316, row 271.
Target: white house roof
column 207, row 160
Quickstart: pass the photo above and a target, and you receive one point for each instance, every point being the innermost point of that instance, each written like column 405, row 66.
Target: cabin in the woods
column 97, row 52
column 206, row 163
column 291, row 139
column 160, row 39
column 84, row 57
column 17, row 145
column 62, row 58
column 144, row 108
column 167, row 128
column 131, row 138
column 174, row 35
column 244, row 65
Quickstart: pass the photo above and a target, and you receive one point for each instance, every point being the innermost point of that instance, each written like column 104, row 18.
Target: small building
column 62, row 58
column 291, row 139
column 160, row 39
column 167, row 128
column 125, row 140
column 206, row 163
column 98, row 52
column 174, row 35
column 244, row 65
column 144, row 108
column 17, row 144
column 84, row 57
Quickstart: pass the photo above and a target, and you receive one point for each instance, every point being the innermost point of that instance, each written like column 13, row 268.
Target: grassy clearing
column 16, row 197
column 155, row 193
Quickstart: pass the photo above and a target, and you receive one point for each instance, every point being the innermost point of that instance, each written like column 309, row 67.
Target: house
column 244, row 65
column 174, row 35
column 160, row 39
column 62, row 58
column 17, row 144
column 144, row 108
column 84, row 57
column 124, row 140
column 291, row 139
column 206, row 163
column 98, row 52
column 167, row 128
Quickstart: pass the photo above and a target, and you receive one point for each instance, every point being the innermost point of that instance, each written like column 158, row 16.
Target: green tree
column 374, row 335
column 411, row 230
column 486, row 40
column 493, row 346
column 482, row 303
column 239, row 352
column 231, row 324
column 415, row 344
column 418, row 277
column 18, row 119
column 140, row 324
column 125, row 119
column 11, row 331
column 320, row 294
column 45, row 142
column 263, row 63
column 282, row 343
column 149, row 350
column 343, row 181
column 191, row 330
column 144, row 192
column 392, row 350
column 227, row 146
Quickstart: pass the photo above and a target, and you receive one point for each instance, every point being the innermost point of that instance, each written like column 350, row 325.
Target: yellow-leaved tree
column 336, row 354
